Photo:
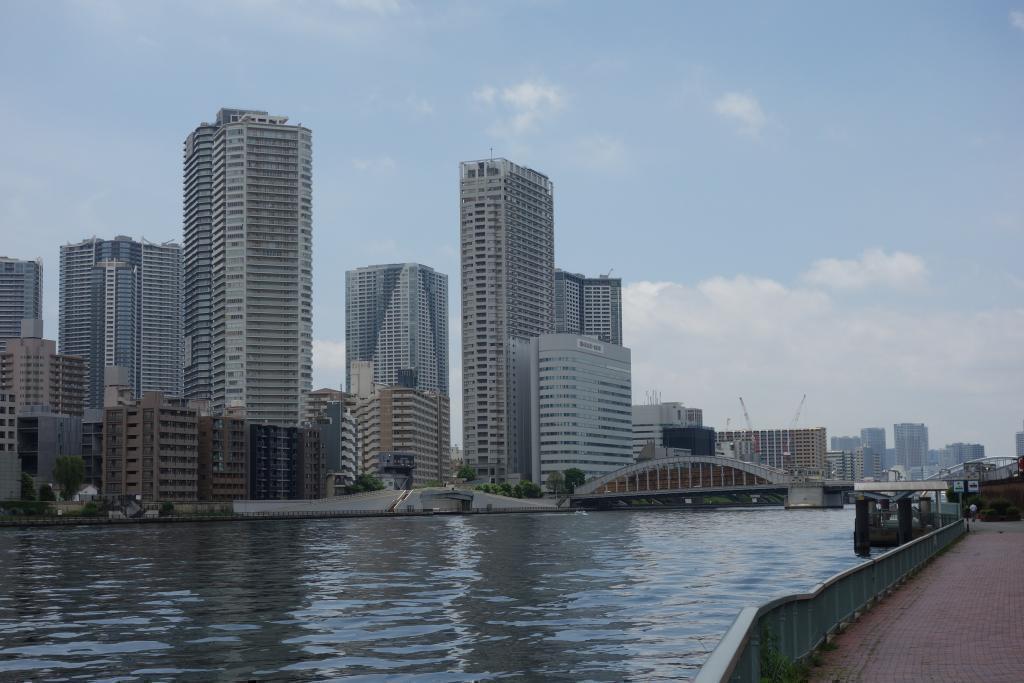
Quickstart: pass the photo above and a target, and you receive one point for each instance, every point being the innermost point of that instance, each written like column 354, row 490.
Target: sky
column 800, row 198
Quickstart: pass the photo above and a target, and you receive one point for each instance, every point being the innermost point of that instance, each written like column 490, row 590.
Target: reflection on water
column 600, row 596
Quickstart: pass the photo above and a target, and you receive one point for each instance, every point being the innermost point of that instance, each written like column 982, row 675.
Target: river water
column 599, row 596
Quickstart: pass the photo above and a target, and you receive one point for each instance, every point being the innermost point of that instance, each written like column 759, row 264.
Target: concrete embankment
column 416, row 503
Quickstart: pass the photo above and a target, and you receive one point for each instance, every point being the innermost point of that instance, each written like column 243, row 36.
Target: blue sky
column 800, row 197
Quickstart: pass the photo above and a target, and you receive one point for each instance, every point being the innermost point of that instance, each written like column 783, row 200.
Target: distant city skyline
column 744, row 271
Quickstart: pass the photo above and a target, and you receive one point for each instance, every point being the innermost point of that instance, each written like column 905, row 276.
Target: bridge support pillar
column 861, row 533
column 905, row 521
column 812, row 495
column 925, row 508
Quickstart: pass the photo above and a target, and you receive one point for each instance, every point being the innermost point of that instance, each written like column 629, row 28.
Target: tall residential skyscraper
column 911, row 446
column 396, row 315
column 507, row 236
column 845, row 443
column 196, row 259
column 197, row 251
column 21, row 295
column 120, row 304
column 1019, row 438
column 873, row 440
column 589, row 306
column 261, row 265
column 957, row 453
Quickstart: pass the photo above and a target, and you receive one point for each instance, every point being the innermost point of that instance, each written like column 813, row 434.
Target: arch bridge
column 992, row 468
column 685, row 480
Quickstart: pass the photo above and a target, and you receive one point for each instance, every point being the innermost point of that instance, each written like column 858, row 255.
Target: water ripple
column 601, row 597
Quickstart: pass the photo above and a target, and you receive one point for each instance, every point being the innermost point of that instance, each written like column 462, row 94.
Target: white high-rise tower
column 261, row 264
column 508, row 268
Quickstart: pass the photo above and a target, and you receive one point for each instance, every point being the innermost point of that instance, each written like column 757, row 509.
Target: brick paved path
column 961, row 619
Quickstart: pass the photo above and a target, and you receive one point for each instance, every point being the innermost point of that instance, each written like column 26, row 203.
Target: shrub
column 90, row 509
column 364, row 483
column 530, row 490
column 24, row 507
column 28, row 487
column 166, row 508
column 1012, row 514
column 46, row 493
column 1000, row 505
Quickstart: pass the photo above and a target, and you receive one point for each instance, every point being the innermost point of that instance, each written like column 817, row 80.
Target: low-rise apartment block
column 32, row 370
column 223, row 458
column 150, row 448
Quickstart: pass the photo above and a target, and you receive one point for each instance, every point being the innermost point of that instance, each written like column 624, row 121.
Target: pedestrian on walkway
column 974, row 512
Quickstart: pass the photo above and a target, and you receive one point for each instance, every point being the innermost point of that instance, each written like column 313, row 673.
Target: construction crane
column 745, row 415
column 750, row 428
column 796, row 418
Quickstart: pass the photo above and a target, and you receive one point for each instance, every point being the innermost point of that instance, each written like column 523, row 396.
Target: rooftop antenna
column 492, row 154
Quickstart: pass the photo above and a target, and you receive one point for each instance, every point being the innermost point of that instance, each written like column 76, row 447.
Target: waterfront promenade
column 960, row 619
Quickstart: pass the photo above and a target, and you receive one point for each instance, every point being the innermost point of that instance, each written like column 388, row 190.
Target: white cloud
column 744, row 109
column 383, row 7
column 328, row 362
column 722, row 338
column 376, row 165
column 1017, row 19
column 532, row 95
column 524, row 105
column 486, row 94
column 420, row 105
column 387, row 246
column 600, row 152
column 874, row 268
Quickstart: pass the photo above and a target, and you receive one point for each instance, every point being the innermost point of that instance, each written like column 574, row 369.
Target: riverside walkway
column 960, row 619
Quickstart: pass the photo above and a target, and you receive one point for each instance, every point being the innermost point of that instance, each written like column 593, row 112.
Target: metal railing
column 796, row 624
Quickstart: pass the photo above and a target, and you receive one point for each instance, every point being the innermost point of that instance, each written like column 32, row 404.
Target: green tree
column 574, row 477
column 466, row 472
column 46, row 493
column 530, row 490
column 556, row 482
column 363, row 483
column 69, row 471
column 28, row 487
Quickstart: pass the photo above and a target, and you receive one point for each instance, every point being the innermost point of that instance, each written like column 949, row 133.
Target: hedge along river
column 599, row 596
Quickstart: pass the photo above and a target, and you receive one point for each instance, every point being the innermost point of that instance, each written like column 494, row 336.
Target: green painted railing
column 797, row 624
